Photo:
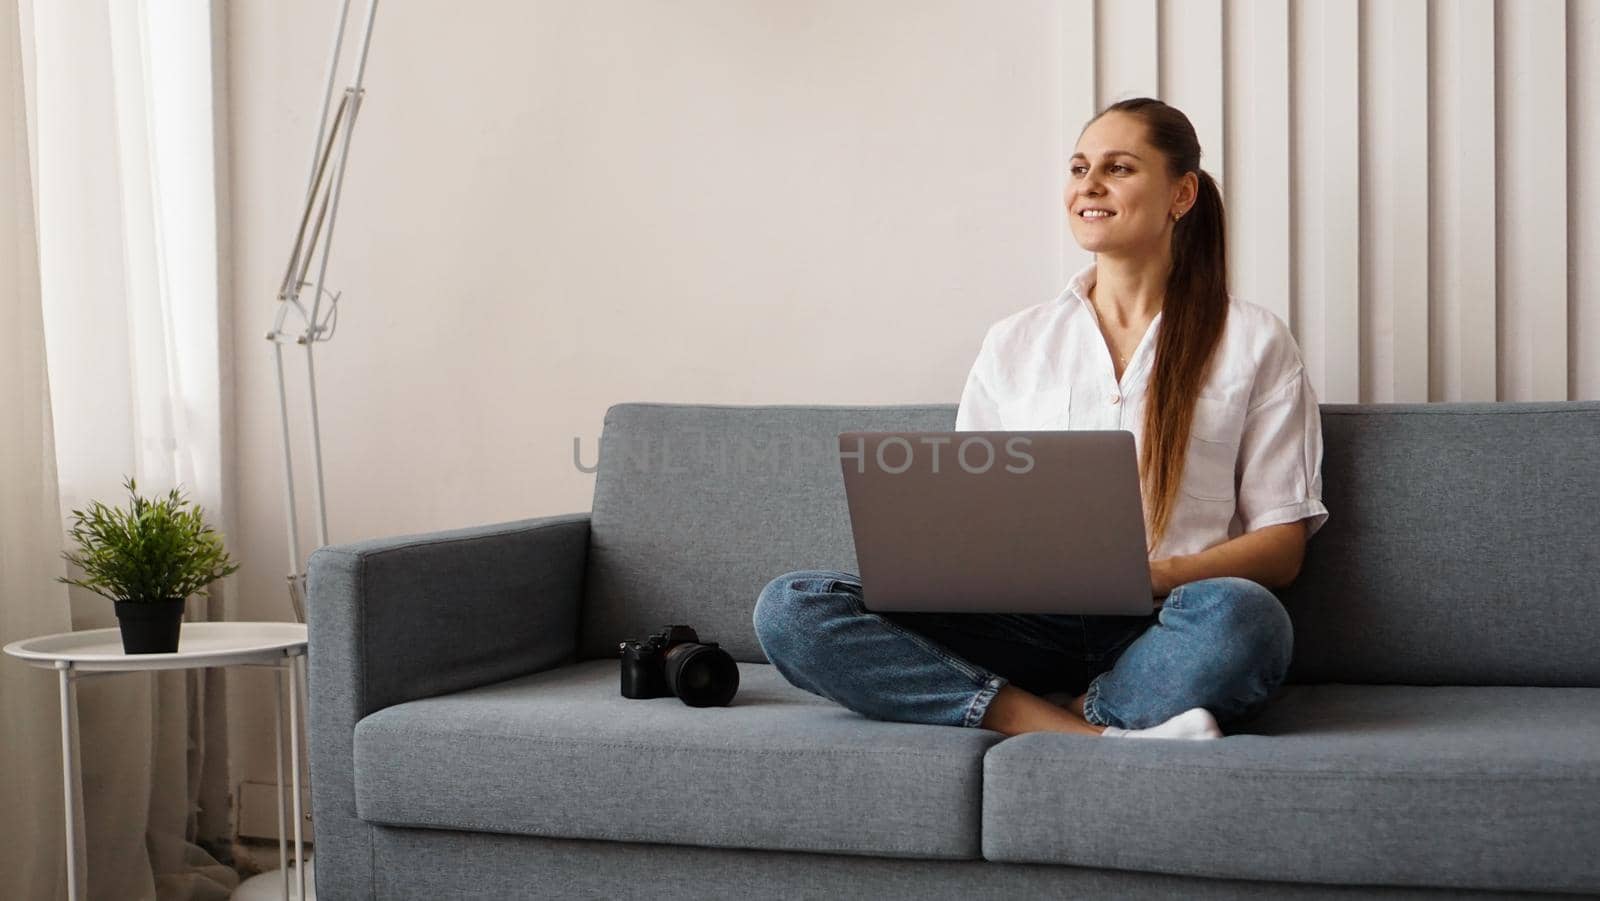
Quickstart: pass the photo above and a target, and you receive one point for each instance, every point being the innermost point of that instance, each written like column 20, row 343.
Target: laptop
column 998, row 521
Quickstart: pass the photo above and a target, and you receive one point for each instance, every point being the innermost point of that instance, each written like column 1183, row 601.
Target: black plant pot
column 150, row 627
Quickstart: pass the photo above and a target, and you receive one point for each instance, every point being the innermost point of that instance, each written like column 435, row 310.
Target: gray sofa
column 1438, row 734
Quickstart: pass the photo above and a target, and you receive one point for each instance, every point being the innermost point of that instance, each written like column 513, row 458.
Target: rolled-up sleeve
column 978, row 411
column 1280, row 458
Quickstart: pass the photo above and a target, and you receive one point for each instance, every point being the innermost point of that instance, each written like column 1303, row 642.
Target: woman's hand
column 1162, row 579
column 1271, row 555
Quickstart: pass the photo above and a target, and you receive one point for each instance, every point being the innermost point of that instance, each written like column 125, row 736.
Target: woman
column 1230, row 451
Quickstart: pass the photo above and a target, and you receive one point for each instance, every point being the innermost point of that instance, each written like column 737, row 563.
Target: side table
column 94, row 652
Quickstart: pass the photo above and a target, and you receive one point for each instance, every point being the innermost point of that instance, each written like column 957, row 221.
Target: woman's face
column 1113, row 169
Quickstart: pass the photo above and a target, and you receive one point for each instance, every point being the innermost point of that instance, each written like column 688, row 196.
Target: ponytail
column 1193, row 314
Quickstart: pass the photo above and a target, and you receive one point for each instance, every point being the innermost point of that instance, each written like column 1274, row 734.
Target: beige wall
column 554, row 207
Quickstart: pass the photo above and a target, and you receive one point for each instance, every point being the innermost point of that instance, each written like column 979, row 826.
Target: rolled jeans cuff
column 979, row 706
column 1091, row 705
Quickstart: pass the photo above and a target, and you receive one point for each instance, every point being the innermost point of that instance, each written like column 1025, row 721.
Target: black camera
column 675, row 662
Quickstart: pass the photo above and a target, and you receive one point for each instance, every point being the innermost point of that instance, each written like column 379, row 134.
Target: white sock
column 1194, row 723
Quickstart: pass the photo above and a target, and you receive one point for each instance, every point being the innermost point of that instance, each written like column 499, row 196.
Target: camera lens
column 701, row 676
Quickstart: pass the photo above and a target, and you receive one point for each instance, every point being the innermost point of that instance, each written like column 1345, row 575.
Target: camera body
column 674, row 662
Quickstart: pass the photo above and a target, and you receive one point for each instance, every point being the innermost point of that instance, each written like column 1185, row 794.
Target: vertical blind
column 1413, row 186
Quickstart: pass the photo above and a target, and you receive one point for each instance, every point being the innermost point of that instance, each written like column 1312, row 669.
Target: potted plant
column 148, row 559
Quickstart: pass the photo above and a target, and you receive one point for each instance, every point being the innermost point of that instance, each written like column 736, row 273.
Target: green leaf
column 154, row 549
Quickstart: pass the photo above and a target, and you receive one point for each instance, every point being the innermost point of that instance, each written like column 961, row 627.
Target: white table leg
column 277, row 750
column 294, row 767
column 72, row 782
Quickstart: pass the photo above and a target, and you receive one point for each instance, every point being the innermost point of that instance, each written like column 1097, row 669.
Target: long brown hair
column 1193, row 313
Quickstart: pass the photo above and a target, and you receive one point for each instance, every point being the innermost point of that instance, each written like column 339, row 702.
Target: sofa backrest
column 1462, row 546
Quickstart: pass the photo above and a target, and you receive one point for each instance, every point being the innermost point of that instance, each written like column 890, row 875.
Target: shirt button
column 1116, row 398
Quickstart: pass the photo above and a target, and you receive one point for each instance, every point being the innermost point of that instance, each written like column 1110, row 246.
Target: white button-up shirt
column 1255, row 449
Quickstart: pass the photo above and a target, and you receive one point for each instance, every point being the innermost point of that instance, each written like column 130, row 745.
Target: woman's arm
column 1270, row 556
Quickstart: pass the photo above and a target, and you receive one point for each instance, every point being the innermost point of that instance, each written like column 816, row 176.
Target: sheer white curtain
column 31, row 831
column 121, row 115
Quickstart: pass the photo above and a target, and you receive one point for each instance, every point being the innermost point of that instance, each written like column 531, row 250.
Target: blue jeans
column 1222, row 644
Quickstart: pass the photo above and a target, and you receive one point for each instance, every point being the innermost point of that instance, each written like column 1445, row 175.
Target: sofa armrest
column 397, row 619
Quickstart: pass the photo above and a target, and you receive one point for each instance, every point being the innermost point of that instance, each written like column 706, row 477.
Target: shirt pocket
column 1045, row 410
column 1213, row 449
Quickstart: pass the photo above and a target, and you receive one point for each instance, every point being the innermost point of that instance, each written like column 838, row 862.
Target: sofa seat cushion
column 561, row 753
column 1467, row 787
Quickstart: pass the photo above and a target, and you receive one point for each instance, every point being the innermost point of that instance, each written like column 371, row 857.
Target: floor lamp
column 318, row 318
